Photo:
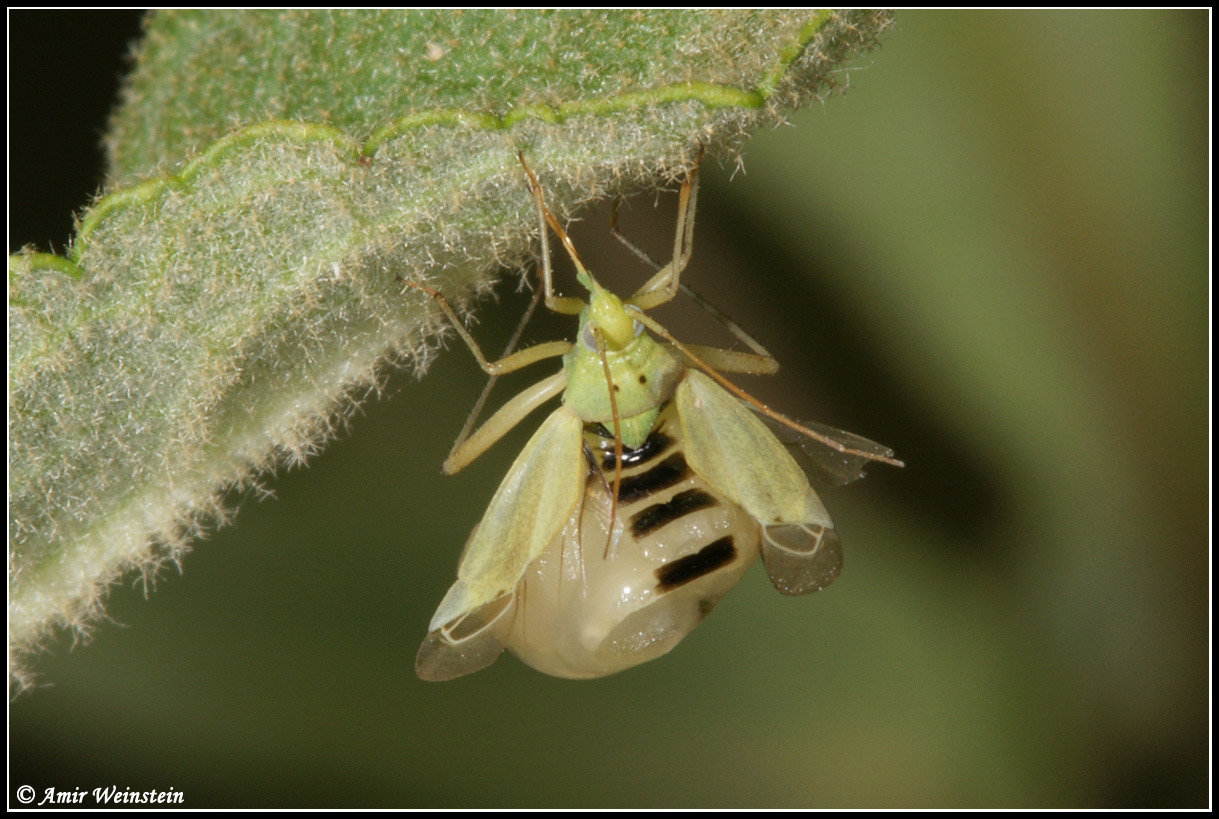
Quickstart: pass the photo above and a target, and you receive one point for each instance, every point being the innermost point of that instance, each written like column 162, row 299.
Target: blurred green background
column 990, row 254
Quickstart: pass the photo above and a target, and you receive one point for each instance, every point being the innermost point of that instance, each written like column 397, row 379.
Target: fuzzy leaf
column 271, row 173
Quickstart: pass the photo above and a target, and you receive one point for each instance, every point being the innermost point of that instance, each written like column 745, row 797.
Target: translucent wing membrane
column 801, row 557
column 740, row 457
column 824, row 464
column 468, row 644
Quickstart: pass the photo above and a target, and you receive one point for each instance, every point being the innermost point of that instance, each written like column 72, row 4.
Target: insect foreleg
column 504, row 419
column 763, row 363
column 663, row 286
column 559, row 304
column 507, row 364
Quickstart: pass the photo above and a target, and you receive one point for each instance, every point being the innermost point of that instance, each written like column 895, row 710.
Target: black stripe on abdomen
column 691, row 567
column 670, row 471
column 662, row 514
column 655, row 444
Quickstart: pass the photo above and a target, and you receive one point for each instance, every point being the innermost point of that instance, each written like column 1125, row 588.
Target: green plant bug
column 642, row 499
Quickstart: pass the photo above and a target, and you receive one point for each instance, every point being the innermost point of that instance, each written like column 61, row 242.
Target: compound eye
column 589, row 340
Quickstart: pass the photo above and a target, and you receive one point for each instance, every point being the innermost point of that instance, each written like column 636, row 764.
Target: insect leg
column 663, row 286
column 760, row 362
column 730, row 325
column 728, row 361
column 507, row 364
column 559, row 304
column 504, row 419
column 685, row 350
column 631, row 246
column 763, row 363
column 477, row 409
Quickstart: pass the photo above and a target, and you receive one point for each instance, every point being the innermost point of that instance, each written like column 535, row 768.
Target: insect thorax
column 644, row 375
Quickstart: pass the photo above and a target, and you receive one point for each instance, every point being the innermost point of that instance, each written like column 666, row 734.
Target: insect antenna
column 585, row 278
column 609, row 381
column 657, row 328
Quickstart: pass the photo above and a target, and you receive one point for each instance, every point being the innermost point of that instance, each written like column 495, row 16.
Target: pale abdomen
column 678, row 547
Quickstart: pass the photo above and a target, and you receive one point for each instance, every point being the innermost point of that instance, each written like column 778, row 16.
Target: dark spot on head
column 691, row 567
column 616, row 388
column 643, row 379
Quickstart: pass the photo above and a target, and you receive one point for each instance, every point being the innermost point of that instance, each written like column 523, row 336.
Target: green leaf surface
column 233, row 289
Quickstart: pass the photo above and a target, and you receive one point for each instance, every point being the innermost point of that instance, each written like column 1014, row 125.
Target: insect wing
column 824, row 464
column 738, row 455
column 733, row 451
column 468, row 643
column 803, row 557
column 529, row 509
